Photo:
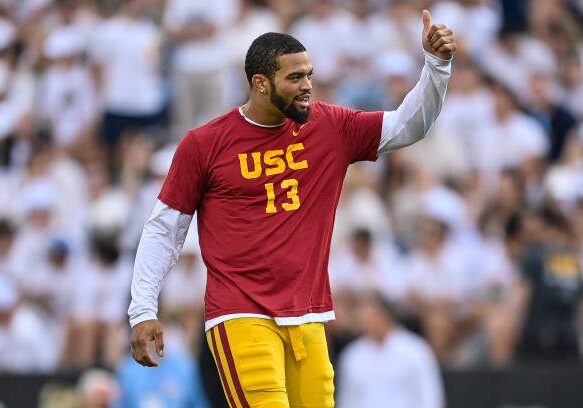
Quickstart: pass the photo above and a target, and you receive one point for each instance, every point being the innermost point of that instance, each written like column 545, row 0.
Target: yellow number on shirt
column 292, row 193
column 270, row 199
column 291, row 185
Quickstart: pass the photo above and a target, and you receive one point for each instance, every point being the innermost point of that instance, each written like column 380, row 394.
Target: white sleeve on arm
column 158, row 251
column 414, row 117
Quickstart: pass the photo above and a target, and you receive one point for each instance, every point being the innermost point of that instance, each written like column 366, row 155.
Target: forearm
column 158, row 251
column 420, row 108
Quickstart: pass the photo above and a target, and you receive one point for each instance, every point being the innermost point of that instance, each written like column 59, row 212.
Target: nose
column 306, row 85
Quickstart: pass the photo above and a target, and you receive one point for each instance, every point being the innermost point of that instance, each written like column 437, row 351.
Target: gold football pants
column 263, row 365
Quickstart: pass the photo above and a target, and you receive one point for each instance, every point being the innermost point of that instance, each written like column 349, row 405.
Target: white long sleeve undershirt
column 420, row 108
column 165, row 231
column 161, row 242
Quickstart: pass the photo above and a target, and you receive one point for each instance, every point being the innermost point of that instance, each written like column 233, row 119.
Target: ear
column 260, row 83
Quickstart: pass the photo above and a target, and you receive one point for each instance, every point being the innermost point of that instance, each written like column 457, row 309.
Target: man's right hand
column 142, row 335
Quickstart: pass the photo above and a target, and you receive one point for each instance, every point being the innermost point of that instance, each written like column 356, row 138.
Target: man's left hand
column 438, row 39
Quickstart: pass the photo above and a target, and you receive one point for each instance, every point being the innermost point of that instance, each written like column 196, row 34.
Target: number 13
column 291, row 185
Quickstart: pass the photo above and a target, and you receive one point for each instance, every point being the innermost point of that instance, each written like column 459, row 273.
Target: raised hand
column 142, row 335
column 438, row 39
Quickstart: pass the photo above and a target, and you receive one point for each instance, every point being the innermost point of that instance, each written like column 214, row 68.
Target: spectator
column 52, row 292
column 97, row 389
column 8, row 260
column 553, row 277
column 125, row 50
column 197, row 30
column 440, row 279
column 38, row 230
column 476, row 21
column 182, row 298
column 176, row 383
column 16, row 98
column 67, row 102
column 324, row 31
column 555, row 118
column 498, row 302
column 143, row 200
column 366, row 264
column 22, row 350
column 252, row 20
column 572, row 81
column 388, row 366
column 514, row 57
column 98, row 321
column 512, row 140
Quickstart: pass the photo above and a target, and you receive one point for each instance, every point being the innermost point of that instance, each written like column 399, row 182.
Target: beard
column 289, row 110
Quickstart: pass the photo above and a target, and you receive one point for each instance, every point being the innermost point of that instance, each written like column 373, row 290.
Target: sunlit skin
column 271, row 101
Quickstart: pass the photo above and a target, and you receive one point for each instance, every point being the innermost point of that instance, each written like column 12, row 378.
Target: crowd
column 473, row 237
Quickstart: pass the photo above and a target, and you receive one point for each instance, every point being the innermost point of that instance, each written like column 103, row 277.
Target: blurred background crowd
column 472, row 239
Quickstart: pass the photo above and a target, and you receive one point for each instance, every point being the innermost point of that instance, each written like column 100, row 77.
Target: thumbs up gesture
column 438, row 40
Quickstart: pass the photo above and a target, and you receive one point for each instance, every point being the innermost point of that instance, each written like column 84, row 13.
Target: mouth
column 302, row 101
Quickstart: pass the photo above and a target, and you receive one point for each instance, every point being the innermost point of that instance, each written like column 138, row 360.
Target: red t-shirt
column 266, row 200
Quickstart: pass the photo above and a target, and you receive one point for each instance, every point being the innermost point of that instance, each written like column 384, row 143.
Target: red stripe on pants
column 221, row 370
column 231, row 363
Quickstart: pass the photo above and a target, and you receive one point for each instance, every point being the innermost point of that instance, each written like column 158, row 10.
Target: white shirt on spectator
column 464, row 118
column 514, row 69
column 397, row 32
column 573, row 98
column 383, row 271
column 375, row 34
column 26, row 345
column 399, row 373
column 58, row 285
column 240, row 35
column 30, row 250
column 67, row 101
column 360, row 208
column 185, row 287
column 18, row 89
column 497, row 272
column 128, row 51
column 476, row 25
column 445, row 277
column 326, row 40
column 205, row 54
column 103, row 292
column 238, row 38
column 510, row 142
column 564, row 182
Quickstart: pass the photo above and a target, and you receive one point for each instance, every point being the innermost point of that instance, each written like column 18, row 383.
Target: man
column 264, row 180
column 388, row 366
column 552, row 290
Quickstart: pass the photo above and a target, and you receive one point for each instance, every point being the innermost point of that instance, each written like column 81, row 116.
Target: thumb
column 159, row 341
column 426, row 20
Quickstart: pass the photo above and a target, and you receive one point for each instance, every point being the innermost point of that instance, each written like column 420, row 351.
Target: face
column 291, row 87
column 370, row 319
column 432, row 234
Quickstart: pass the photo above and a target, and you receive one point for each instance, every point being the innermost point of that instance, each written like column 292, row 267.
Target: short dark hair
column 385, row 305
column 362, row 234
column 262, row 55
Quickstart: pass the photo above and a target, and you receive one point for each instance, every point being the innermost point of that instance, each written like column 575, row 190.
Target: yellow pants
column 263, row 365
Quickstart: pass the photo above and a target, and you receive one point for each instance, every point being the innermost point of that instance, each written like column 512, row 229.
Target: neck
column 382, row 332
column 263, row 113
